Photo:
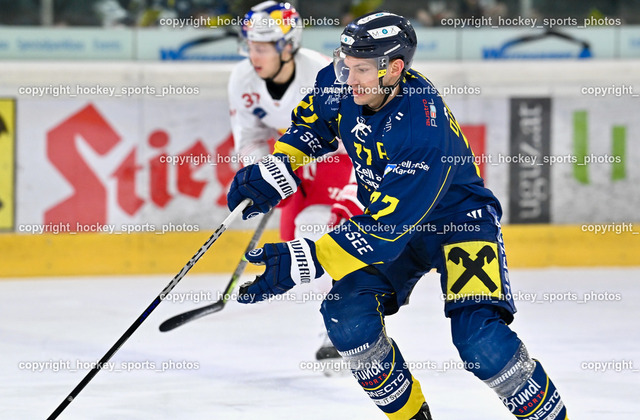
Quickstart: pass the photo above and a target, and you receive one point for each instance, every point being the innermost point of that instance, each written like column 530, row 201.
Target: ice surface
column 246, row 361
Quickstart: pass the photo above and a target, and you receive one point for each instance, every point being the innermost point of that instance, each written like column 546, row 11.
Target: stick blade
column 181, row 319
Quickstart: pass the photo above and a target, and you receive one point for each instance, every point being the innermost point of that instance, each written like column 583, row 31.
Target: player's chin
column 361, row 99
column 262, row 73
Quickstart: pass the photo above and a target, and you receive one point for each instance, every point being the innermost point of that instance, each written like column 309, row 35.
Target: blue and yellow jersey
column 412, row 162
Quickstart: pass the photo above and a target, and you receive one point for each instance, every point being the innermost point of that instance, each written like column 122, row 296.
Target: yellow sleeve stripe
column 297, row 157
column 311, row 119
column 335, row 260
column 302, row 125
column 416, row 223
column 304, row 105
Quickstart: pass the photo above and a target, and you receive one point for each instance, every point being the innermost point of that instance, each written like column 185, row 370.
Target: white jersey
column 255, row 116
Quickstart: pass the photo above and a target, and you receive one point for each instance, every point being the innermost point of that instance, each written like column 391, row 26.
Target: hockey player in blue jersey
column 426, row 207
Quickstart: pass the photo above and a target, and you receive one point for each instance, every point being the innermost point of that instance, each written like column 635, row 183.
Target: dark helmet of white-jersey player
column 380, row 36
column 269, row 21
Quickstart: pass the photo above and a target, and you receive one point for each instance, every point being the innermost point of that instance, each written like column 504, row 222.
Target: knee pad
column 354, row 310
column 348, row 326
column 496, row 355
column 484, row 341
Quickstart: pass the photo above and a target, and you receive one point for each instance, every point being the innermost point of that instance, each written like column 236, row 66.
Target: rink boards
column 123, row 167
column 528, row 246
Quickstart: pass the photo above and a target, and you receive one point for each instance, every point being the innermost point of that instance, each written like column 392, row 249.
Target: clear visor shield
column 367, row 67
column 340, row 69
column 243, row 47
column 248, row 48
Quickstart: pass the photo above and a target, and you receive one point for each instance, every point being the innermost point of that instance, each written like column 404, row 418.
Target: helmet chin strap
column 388, row 90
column 282, row 63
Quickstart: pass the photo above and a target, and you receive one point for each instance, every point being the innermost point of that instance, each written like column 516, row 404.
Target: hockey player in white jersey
column 263, row 90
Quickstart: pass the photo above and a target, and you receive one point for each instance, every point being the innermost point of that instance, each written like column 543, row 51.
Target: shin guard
column 526, row 390
column 383, row 374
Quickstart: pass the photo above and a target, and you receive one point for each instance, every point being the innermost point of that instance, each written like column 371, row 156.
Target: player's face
column 363, row 79
column 264, row 58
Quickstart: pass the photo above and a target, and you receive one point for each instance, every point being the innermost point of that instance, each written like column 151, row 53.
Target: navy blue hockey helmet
column 381, row 35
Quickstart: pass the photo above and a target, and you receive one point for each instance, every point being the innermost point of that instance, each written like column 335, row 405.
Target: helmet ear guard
column 383, row 64
column 281, row 44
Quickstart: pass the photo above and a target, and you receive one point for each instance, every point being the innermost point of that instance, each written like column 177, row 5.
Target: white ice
column 247, row 362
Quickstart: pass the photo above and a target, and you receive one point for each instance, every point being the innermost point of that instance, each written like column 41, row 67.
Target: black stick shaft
column 192, row 315
column 94, row 371
column 243, row 262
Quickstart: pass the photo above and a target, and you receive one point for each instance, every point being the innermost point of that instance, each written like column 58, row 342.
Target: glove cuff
column 275, row 172
column 304, row 264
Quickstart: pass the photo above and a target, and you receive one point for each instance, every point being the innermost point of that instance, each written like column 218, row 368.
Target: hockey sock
column 526, row 390
column 383, row 374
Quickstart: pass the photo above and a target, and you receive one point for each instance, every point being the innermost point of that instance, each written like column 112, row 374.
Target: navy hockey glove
column 265, row 183
column 287, row 264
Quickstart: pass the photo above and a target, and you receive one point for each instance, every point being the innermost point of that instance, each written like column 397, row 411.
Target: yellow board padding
column 534, row 246
column 530, row 246
column 111, row 254
column 7, row 162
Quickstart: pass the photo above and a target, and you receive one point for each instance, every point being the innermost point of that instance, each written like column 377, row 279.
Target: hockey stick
column 198, row 313
column 149, row 309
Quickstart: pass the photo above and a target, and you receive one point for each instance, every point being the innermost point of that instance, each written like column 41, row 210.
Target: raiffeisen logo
column 509, row 49
column 184, row 52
